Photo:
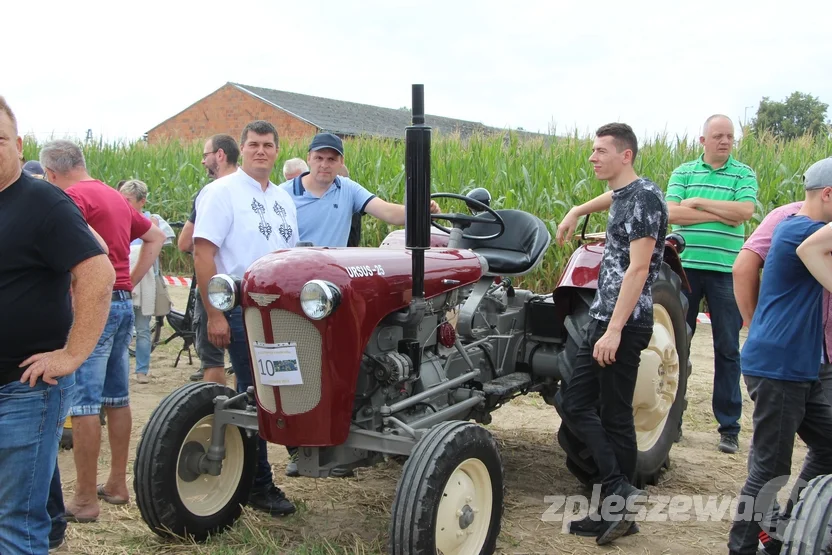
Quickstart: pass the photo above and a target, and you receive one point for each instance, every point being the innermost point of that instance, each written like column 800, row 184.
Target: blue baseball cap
column 33, row 167
column 327, row 140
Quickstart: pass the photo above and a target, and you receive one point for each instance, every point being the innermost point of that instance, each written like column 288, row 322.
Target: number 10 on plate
column 277, row 363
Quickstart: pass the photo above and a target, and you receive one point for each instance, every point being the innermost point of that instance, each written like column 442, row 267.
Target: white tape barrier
column 176, row 280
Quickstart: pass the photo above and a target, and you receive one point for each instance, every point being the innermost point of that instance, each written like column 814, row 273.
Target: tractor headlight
column 223, row 292
column 319, row 298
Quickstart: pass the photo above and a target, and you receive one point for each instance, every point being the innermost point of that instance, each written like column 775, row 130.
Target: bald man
column 709, row 199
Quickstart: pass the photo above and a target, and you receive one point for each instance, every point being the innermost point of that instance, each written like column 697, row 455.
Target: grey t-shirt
column 638, row 210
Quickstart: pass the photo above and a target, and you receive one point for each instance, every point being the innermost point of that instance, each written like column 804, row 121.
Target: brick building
column 296, row 116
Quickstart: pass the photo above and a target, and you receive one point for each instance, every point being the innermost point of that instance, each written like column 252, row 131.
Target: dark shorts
column 210, row 356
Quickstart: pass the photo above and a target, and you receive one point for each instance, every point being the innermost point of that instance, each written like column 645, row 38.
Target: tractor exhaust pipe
column 417, row 190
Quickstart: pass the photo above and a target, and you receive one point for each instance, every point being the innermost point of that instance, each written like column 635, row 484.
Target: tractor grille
column 290, row 327
column 254, row 328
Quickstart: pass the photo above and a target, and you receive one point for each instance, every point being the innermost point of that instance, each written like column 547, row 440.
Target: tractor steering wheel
column 464, row 220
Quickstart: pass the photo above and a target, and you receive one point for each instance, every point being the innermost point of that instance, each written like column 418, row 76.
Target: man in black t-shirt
column 47, row 250
column 606, row 367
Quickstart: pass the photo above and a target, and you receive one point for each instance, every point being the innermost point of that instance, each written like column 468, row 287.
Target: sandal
column 111, row 499
column 70, row 517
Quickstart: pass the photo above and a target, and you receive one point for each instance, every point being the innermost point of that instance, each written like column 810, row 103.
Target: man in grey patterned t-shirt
column 638, row 211
column 607, row 362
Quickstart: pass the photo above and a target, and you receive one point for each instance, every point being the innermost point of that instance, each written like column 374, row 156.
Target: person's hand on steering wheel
column 434, row 207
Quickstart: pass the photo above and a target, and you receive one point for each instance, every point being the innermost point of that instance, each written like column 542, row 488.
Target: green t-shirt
column 713, row 245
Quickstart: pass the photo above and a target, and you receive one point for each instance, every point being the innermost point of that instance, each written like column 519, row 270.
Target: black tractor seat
column 518, row 250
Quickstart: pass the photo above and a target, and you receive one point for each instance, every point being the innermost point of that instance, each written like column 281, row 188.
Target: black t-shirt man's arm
column 92, row 286
column 46, row 241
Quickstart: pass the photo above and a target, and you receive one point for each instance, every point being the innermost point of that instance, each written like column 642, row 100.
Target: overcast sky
column 659, row 66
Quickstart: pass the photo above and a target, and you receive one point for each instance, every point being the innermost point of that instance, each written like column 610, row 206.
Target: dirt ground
column 351, row 515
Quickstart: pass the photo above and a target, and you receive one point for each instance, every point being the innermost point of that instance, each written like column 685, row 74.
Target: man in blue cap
column 327, row 201
column 33, row 168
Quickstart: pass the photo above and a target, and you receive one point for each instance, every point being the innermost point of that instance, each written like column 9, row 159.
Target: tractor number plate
column 277, row 363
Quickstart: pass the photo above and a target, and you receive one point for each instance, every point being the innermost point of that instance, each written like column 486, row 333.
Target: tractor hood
column 372, row 284
column 382, row 277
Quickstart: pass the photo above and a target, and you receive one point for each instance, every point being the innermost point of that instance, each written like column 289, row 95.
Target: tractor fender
column 584, row 265
column 672, row 258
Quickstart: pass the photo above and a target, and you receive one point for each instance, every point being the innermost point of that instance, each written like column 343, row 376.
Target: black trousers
column 782, row 409
column 609, row 433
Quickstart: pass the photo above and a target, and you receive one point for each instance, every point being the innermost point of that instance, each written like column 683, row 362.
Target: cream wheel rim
column 207, row 495
column 464, row 514
column 658, row 381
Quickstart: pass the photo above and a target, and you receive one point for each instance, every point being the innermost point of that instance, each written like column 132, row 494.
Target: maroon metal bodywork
column 583, row 267
column 582, row 271
column 585, row 264
column 368, row 296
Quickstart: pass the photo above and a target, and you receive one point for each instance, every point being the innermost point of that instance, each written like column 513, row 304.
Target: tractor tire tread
column 158, row 446
column 144, row 460
column 419, row 479
column 809, row 531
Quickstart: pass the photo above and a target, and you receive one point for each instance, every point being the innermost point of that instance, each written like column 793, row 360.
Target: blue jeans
column 726, row 321
column 32, row 419
column 238, row 351
column 55, row 507
column 104, row 378
column 142, row 324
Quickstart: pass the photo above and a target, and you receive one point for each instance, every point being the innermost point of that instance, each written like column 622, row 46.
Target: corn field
column 545, row 178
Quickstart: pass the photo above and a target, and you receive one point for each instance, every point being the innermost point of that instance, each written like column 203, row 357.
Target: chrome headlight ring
column 223, row 292
column 319, row 298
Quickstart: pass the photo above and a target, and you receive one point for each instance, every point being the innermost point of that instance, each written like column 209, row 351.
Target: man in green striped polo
column 709, row 199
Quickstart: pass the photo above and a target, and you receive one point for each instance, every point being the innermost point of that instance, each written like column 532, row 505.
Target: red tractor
column 360, row 353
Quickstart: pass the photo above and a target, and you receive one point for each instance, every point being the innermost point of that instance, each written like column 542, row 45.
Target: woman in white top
column 144, row 293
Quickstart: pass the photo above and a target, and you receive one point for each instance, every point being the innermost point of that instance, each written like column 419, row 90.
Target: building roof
column 351, row 118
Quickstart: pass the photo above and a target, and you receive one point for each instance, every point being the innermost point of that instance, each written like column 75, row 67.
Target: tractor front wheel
column 449, row 499
column 174, row 498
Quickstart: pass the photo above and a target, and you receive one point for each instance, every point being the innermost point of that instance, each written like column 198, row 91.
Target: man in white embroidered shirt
column 240, row 218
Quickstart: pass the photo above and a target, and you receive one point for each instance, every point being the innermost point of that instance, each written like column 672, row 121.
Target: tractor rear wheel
column 449, row 499
column 174, row 499
column 659, row 399
column 809, row 531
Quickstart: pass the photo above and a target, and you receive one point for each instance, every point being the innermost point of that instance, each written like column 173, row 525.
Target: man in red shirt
column 103, row 379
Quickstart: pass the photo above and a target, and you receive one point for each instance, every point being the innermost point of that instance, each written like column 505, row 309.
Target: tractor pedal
column 508, row 384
